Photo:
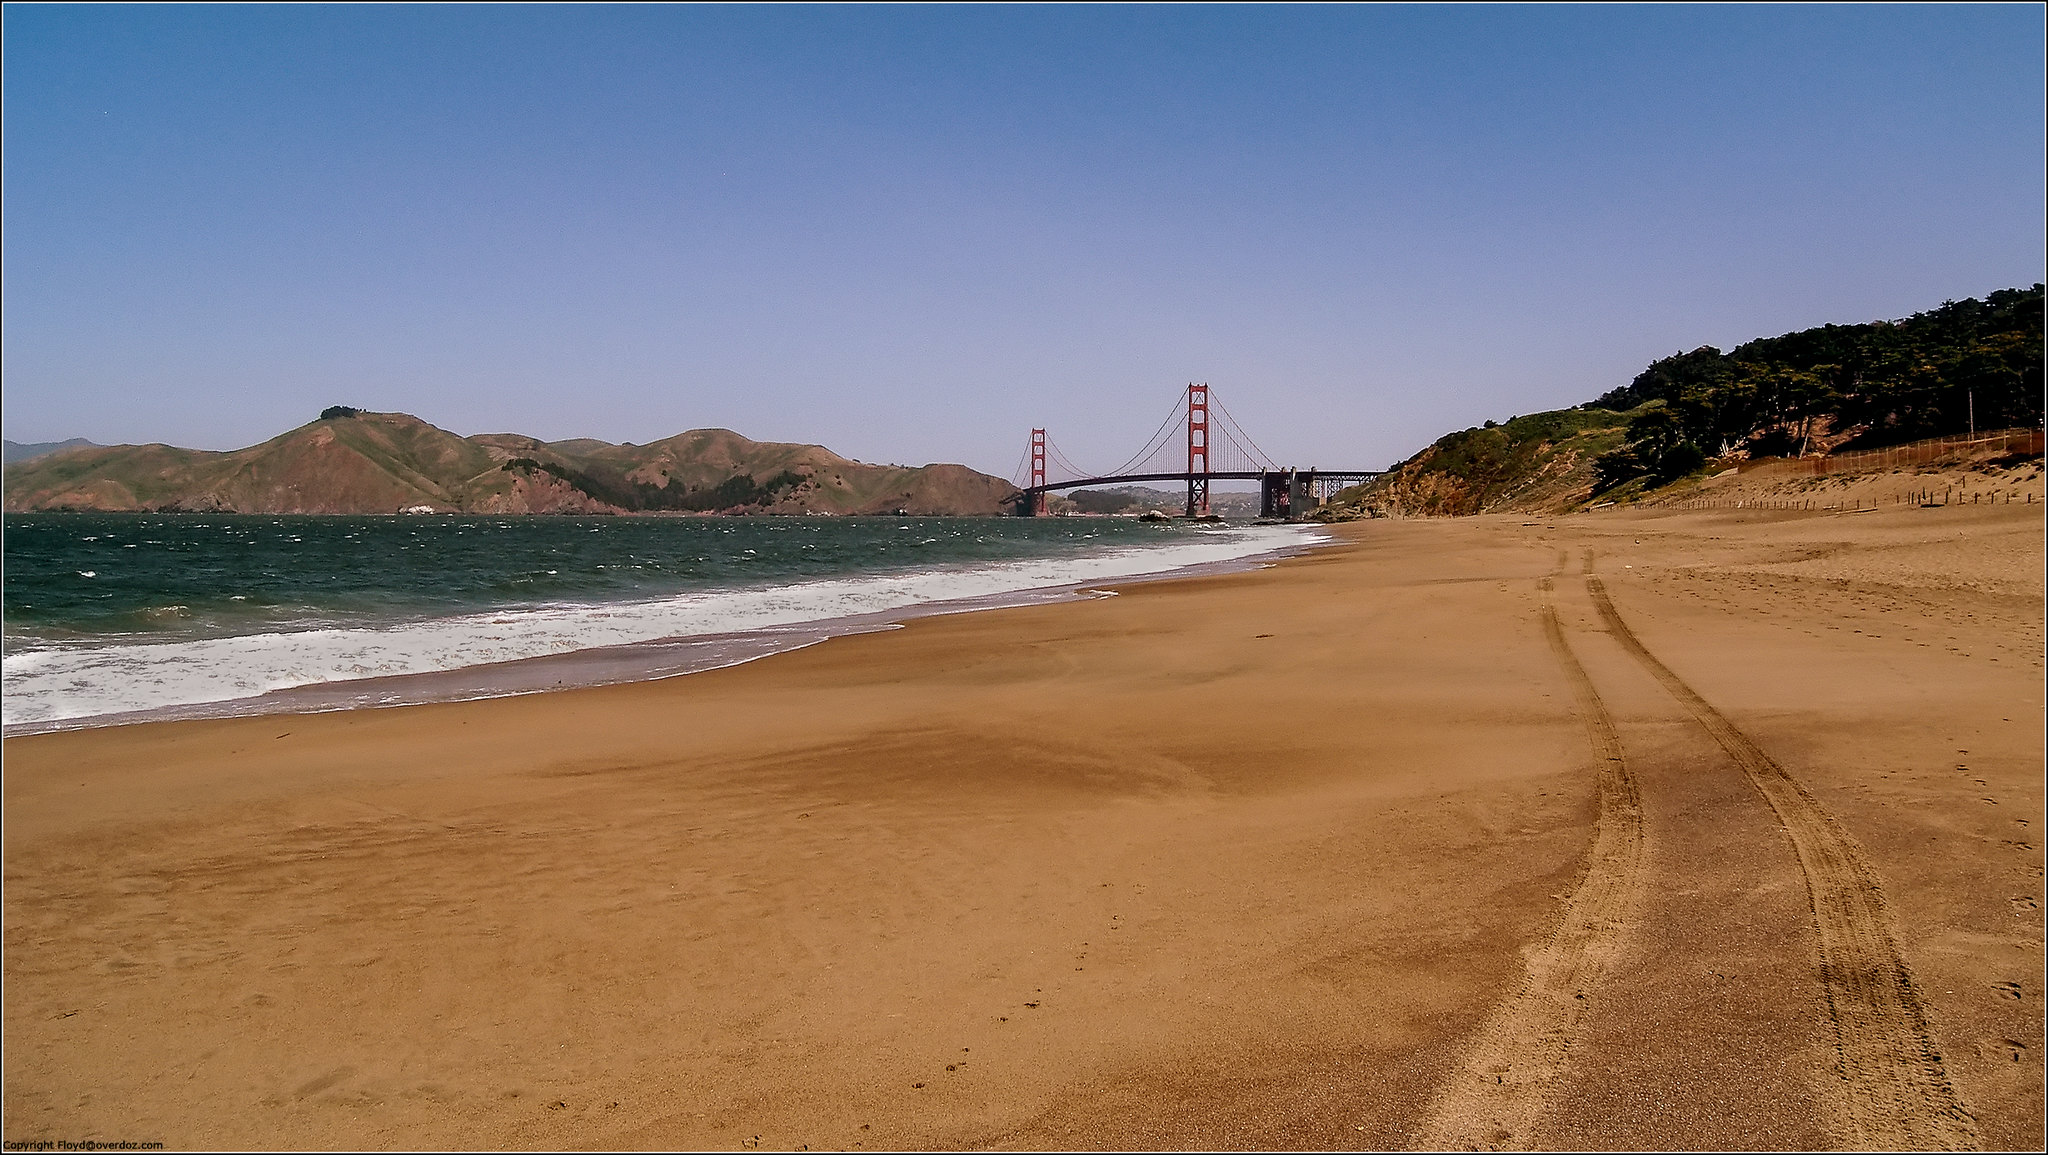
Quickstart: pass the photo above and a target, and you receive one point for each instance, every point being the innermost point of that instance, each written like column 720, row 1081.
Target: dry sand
column 1408, row 842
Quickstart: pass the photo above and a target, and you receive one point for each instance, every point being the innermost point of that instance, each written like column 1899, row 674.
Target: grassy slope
column 1541, row 462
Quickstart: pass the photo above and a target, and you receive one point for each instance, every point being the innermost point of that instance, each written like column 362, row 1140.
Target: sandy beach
column 1714, row 828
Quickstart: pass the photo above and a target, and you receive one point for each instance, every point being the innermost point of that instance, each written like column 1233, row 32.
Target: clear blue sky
column 911, row 234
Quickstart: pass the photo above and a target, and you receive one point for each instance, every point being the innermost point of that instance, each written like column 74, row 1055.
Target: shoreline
column 1252, row 860
column 655, row 659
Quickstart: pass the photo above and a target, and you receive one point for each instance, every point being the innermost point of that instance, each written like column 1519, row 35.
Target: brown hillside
column 372, row 462
column 389, row 462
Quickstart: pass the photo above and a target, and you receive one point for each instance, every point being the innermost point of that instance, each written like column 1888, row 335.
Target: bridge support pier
column 1273, row 493
column 1301, row 493
column 1289, row 493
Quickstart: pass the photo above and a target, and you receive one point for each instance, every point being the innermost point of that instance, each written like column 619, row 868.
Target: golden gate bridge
column 1199, row 442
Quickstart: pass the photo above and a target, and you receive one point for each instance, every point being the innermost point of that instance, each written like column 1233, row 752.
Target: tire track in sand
column 1494, row 1097
column 1890, row 1089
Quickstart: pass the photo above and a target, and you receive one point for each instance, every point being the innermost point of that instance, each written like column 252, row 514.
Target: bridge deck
column 1219, row 475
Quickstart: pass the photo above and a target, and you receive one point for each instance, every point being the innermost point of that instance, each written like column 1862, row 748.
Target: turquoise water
column 81, row 577
column 113, row 613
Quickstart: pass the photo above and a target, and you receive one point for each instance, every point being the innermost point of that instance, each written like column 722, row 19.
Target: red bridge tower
column 1038, row 472
column 1198, row 450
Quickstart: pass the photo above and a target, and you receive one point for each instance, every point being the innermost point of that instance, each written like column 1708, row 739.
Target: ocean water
column 116, row 616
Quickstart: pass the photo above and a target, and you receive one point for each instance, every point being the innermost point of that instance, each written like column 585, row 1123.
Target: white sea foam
column 58, row 685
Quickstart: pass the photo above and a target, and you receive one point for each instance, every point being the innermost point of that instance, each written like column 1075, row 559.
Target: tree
column 1789, row 400
column 1670, row 378
column 1659, row 447
column 1882, row 381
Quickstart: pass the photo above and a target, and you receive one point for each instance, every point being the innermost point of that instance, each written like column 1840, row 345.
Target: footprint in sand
column 315, row 1086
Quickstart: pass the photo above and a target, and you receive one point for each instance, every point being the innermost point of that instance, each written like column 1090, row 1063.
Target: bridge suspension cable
column 1060, row 459
column 1198, row 438
column 1221, row 450
column 1162, row 439
column 1058, row 466
column 1240, row 441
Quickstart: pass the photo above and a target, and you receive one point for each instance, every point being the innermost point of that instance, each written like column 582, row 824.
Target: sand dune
column 1294, row 858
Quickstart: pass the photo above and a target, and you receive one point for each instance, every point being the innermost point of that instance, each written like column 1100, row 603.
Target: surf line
column 1891, row 1090
column 1494, row 1098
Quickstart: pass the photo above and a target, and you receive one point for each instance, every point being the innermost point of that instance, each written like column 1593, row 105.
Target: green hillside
column 1968, row 364
column 1541, row 461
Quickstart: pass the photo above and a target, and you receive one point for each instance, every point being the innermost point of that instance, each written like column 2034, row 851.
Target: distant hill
column 16, row 451
column 350, row 461
column 1140, row 498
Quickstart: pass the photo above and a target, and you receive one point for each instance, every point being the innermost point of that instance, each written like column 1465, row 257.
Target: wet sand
column 1339, row 853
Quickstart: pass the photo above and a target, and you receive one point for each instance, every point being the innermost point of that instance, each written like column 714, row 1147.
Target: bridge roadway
column 1127, row 478
column 1282, row 492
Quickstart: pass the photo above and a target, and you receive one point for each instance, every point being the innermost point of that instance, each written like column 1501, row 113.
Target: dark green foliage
column 1660, row 448
column 1886, row 382
column 734, row 492
column 1622, row 465
column 1890, row 381
column 631, row 494
column 334, row 411
column 1704, row 368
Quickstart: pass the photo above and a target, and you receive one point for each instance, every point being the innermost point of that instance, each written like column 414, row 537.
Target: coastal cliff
column 1541, row 462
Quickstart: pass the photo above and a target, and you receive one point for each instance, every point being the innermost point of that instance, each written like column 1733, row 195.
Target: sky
column 912, row 234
